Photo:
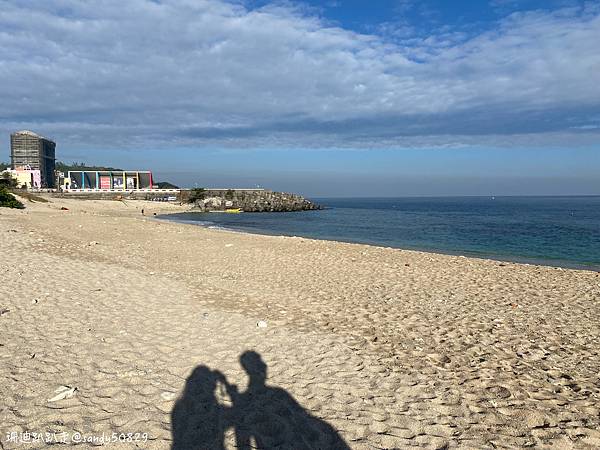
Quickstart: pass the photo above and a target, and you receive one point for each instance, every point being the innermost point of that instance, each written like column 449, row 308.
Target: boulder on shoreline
column 253, row 201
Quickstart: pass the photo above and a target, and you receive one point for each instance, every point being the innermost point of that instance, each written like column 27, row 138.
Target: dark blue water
column 562, row 231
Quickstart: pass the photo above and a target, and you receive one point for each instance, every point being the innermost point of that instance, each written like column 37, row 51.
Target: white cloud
column 174, row 73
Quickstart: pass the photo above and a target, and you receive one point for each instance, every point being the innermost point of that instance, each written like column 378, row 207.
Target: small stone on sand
column 168, row 396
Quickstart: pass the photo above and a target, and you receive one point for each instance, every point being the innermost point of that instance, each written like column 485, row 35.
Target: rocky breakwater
column 248, row 200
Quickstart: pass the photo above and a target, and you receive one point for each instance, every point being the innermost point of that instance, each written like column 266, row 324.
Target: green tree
column 8, row 181
column 197, row 194
column 65, row 167
column 7, row 200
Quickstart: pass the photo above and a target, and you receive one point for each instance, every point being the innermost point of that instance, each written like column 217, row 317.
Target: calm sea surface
column 562, row 231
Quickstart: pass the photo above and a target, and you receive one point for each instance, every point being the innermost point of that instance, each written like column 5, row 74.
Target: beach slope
column 207, row 336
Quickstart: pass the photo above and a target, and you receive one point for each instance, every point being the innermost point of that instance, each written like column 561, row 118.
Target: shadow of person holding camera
column 262, row 417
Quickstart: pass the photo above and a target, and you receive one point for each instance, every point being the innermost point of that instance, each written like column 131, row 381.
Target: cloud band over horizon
column 179, row 73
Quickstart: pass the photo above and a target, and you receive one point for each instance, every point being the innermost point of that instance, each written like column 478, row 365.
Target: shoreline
column 552, row 263
column 390, row 348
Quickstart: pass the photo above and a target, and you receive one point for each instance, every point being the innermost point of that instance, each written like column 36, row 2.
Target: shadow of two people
column 263, row 417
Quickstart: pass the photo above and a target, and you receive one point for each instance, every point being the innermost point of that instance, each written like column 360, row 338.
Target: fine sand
column 155, row 325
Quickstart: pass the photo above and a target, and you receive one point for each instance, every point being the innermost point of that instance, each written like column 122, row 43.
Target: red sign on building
column 105, row 183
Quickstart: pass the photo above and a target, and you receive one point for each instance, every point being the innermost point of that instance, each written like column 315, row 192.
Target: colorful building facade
column 108, row 180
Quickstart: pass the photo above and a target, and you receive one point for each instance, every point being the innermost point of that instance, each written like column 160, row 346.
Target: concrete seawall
column 172, row 195
column 248, row 200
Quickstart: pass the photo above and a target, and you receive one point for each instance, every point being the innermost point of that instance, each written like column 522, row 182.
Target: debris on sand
column 62, row 393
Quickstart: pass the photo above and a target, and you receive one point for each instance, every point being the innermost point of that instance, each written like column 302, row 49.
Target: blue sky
column 424, row 17
column 333, row 97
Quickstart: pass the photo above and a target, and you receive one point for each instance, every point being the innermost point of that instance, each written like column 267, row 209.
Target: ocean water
column 560, row 231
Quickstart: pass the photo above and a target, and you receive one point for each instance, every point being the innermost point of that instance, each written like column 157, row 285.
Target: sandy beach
column 201, row 338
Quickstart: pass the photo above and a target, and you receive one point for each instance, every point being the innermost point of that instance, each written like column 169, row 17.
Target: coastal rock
column 249, row 200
